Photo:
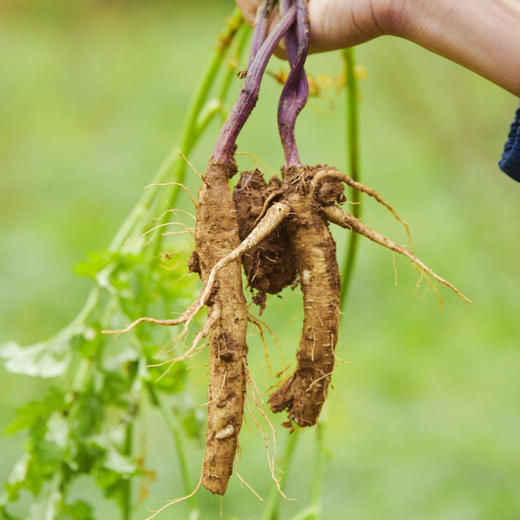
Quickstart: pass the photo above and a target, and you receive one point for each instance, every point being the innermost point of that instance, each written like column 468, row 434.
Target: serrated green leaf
column 115, row 390
column 88, row 415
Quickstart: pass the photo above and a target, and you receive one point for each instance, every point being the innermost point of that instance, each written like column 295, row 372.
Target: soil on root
column 314, row 249
column 216, row 235
column 269, row 266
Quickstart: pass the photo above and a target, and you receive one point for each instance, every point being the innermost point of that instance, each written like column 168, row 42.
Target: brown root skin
column 216, row 235
column 314, row 249
column 219, row 251
column 269, row 266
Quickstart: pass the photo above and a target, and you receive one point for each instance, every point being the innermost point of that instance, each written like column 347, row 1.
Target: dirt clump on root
column 216, row 235
column 269, row 266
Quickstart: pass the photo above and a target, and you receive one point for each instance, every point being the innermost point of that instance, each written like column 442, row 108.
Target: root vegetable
column 314, row 249
column 277, row 230
column 216, row 235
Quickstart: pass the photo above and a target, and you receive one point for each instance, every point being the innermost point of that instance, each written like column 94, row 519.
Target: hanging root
column 260, row 326
column 244, row 481
column 216, row 238
column 257, row 400
column 195, row 346
column 313, row 247
column 218, row 255
column 328, row 172
column 346, row 220
column 218, row 252
column 175, row 501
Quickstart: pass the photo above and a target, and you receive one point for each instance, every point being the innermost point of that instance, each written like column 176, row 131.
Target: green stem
column 126, row 509
column 317, row 476
column 189, row 134
column 273, row 501
column 175, row 166
column 353, row 162
column 175, row 430
column 228, row 78
column 173, row 162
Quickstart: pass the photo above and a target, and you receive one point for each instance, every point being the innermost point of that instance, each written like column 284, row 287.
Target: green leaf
column 166, row 378
column 17, row 477
column 5, row 515
column 34, row 415
column 48, row 504
column 48, row 359
column 79, row 510
column 113, row 469
column 95, row 263
column 120, row 464
column 88, row 415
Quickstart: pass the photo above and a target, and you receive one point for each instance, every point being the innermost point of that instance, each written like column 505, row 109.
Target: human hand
column 481, row 35
column 335, row 24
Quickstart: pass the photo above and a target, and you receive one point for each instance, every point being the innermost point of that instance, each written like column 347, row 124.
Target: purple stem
column 291, row 38
column 248, row 96
column 296, row 89
column 260, row 30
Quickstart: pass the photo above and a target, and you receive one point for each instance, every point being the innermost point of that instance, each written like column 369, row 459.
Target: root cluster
column 278, row 231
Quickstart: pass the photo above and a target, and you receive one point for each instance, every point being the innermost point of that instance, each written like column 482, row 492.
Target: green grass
column 424, row 424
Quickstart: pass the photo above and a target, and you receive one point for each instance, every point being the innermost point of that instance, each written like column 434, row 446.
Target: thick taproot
column 314, row 249
column 216, row 235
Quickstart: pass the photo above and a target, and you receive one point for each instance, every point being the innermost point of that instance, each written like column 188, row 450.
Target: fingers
column 248, row 8
column 334, row 24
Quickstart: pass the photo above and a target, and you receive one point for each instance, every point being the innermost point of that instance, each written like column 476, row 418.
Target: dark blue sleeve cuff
column 510, row 162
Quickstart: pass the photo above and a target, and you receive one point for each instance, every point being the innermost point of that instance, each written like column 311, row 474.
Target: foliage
column 80, row 426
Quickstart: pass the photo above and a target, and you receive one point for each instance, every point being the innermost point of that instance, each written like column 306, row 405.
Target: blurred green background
column 425, row 423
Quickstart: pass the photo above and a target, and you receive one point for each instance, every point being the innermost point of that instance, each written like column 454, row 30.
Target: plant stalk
column 225, row 146
column 189, row 134
column 126, row 509
column 231, row 73
column 175, row 430
column 352, row 102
